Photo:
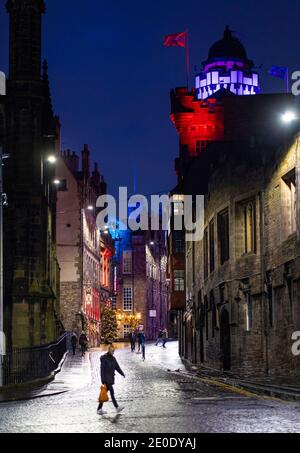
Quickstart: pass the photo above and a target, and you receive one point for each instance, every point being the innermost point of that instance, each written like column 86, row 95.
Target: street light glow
column 56, row 182
column 51, row 159
column 288, row 117
column 90, row 208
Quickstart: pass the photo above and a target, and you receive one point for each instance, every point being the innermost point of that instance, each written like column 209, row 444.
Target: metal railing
column 28, row 364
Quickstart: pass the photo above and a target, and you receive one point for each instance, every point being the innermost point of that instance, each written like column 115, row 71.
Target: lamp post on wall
column 3, row 201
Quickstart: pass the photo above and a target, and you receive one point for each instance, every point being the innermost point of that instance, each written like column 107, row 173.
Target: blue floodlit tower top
column 227, row 69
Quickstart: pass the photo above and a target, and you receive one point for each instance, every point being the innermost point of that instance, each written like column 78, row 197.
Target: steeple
column 25, row 38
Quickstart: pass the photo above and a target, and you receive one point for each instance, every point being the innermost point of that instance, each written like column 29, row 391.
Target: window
column 270, row 300
column 289, row 284
column 212, row 246
column 249, row 312
column 250, row 227
column 126, row 330
column 201, row 146
column 114, row 302
column 178, row 205
column 223, row 236
column 206, row 317
column 127, row 262
column 289, row 199
column 205, row 252
column 178, row 242
column 179, row 281
column 213, row 312
column 127, row 299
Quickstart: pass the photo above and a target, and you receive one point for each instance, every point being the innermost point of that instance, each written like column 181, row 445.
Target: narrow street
column 155, row 399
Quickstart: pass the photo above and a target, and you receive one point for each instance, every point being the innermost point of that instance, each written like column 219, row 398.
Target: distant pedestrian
column 142, row 342
column 74, row 341
column 109, row 366
column 132, row 339
column 159, row 338
column 138, row 337
column 165, row 338
column 83, row 342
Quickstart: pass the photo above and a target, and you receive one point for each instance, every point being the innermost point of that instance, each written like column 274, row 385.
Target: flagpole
column 287, row 80
column 187, row 53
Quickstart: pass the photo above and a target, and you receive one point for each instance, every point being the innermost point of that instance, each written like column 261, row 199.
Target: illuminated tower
column 202, row 116
column 227, row 68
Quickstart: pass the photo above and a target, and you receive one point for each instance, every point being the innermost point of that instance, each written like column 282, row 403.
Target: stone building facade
column 242, row 278
column 29, row 135
column 141, row 285
column 83, row 252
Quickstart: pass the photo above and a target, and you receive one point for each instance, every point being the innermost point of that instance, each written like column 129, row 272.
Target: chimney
column 71, row 160
column 86, row 157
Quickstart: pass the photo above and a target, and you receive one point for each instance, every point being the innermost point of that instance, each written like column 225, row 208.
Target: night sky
column 111, row 76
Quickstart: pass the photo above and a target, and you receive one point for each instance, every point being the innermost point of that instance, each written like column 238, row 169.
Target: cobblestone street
column 156, row 401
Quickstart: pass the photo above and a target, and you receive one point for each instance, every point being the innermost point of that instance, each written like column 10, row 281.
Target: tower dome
column 227, row 70
column 229, row 46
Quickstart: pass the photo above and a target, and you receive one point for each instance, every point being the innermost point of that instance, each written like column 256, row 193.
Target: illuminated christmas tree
column 109, row 326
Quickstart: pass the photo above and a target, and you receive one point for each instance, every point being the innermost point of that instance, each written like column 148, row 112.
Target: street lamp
column 90, row 208
column 288, row 117
column 56, row 182
column 51, row 159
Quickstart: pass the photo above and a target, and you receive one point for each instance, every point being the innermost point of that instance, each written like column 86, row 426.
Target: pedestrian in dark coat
column 159, row 338
column 83, row 341
column 74, row 342
column 142, row 343
column 165, row 337
column 132, row 339
column 109, row 366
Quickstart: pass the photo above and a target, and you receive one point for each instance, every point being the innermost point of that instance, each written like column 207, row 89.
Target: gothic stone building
column 242, row 288
column 31, row 132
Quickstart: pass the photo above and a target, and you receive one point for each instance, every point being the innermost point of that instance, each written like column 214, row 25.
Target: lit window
column 249, row 312
column 250, row 227
column 289, row 197
column 127, row 299
column 126, row 330
column 179, row 281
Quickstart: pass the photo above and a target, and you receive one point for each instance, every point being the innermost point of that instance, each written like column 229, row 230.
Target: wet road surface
column 156, row 401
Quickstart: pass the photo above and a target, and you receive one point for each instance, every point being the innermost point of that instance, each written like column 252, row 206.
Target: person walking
column 83, row 342
column 109, row 366
column 165, row 338
column 159, row 338
column 143, row 344
column 74, row 341
column 132, row 339
column 139, row 342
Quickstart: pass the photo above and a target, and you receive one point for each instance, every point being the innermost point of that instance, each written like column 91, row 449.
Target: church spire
column 25, row 38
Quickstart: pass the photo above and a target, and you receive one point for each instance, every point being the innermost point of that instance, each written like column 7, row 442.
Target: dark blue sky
column 111, row 76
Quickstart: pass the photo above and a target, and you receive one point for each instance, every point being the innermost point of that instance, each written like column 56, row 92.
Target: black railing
column 28, row 364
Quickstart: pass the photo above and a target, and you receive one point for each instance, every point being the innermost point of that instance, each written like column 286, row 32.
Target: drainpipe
column 263, row 273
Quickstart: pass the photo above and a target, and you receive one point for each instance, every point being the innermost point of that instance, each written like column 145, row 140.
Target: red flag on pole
column 176, row 40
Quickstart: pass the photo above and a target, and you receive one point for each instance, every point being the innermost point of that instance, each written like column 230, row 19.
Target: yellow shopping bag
column 103, row 397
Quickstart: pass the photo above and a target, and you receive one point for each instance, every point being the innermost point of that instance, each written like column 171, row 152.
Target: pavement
column 282, row 387
column 160, row 396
